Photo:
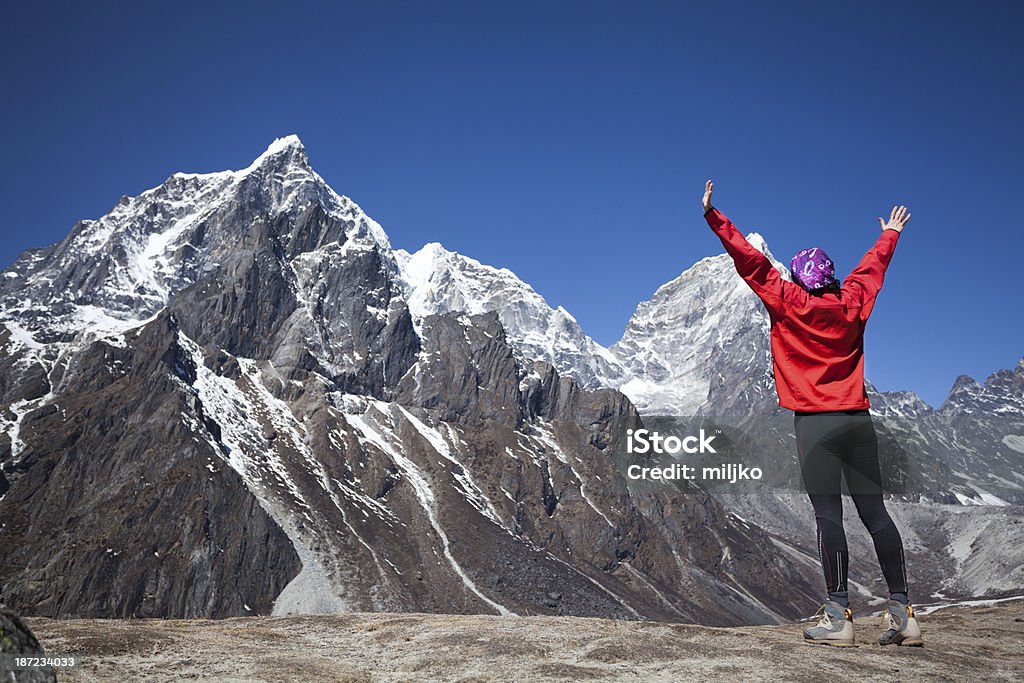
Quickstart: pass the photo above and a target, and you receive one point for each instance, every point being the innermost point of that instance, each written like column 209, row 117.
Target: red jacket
column 817, row 341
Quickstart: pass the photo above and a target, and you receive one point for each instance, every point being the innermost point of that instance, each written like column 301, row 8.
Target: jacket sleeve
column 752, row 265
column 864, row 283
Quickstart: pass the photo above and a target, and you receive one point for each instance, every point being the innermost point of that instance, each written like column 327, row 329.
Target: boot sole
column 833, row 643
column 910, row 642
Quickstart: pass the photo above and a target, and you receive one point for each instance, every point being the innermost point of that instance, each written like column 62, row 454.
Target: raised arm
column 864, row 283
column 752, row 265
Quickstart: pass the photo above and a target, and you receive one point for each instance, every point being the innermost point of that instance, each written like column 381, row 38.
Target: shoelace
column 888, row 621
column 826, row 619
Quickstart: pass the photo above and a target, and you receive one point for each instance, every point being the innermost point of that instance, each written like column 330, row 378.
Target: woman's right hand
column 897, row 219
column 708, row 187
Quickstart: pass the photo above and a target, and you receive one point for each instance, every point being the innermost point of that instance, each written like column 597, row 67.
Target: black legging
column 845, row 442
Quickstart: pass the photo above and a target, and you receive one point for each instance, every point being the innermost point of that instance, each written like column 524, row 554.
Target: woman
column 817, row 341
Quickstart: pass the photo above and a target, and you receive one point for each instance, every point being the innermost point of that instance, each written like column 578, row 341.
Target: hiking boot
column 900, row 626
column 834, row 628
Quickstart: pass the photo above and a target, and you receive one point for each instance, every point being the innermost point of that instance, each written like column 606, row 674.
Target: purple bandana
column 812, row 269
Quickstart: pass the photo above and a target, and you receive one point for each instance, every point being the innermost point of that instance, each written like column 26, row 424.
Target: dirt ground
column 976, row 643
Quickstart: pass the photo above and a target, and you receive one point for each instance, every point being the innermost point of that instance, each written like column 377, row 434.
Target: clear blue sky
column 568, row 141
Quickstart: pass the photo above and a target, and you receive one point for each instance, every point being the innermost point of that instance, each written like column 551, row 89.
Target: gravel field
column 962, row 643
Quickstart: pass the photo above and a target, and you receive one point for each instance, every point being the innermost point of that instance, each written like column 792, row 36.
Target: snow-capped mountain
column 217, row 401
column 698, row 333
column 1002, row 394
column 702, row 331
column 435, row 280
column 110, row 274
column 896, row 404
column 230, row 396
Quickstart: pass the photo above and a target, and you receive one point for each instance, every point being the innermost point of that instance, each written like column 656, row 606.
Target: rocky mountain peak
column 289, row 147
column 110, row 274
column 1001, row 394
column 758, row 241
column 900, row 404
column 435, row 280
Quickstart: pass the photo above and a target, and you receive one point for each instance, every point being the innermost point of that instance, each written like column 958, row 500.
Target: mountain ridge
column 400, row 431
column 592, row 363
column 277, row 389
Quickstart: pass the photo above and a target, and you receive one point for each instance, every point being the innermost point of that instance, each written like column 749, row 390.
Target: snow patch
column 22, row 336
column 1015, row 442
column 928, row 609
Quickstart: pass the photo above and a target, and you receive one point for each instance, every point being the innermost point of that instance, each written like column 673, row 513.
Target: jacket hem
column 825, row 408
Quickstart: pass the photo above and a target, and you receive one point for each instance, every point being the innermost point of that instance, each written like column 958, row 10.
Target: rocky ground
column 979, row 643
